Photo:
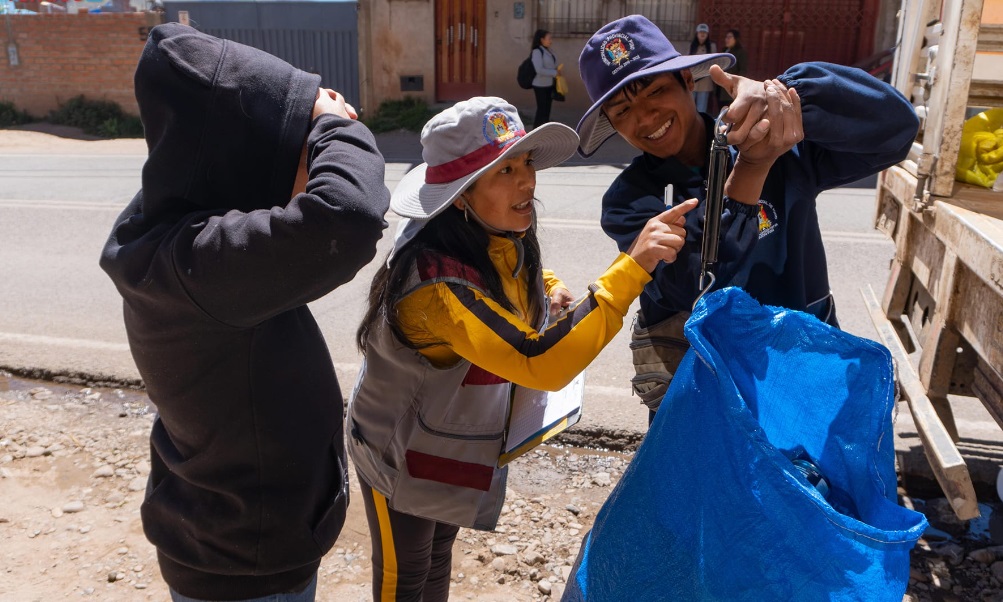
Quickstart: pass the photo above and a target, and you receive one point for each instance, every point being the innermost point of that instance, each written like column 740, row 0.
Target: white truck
column 941, row 314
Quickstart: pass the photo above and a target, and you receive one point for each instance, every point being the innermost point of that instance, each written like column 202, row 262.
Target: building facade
column 447, row 50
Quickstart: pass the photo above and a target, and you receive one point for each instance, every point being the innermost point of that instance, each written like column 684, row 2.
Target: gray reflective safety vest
column 429, row 438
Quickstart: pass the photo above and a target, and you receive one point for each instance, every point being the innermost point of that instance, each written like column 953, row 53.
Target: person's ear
column 687, row 78
column 463, row 205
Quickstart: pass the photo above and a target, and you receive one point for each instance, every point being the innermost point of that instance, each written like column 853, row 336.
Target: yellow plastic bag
column 980, row 158
column 560, row 87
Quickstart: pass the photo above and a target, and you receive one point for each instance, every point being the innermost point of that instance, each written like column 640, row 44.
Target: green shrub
column 409, row 114
column 98, row 118
column 10, row 115
column 124, row 127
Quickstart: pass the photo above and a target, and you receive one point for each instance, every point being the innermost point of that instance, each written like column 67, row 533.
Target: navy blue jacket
column 855, row 125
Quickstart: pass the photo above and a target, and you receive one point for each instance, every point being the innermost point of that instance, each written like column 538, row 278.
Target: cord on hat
column 521, row 252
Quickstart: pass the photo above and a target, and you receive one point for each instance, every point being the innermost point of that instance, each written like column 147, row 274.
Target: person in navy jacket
column 852, row 125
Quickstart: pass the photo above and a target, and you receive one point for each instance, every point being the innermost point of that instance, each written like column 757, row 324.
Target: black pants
column 544, row 98
column 412, row 556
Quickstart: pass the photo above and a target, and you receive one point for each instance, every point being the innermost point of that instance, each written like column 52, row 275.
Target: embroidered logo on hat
column 616, row 49
column 498, row 129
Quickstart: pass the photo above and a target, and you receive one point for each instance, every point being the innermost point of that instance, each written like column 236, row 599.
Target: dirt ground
column 73, row 468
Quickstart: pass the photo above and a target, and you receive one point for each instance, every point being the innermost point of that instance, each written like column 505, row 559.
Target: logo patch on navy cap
column 616, row 51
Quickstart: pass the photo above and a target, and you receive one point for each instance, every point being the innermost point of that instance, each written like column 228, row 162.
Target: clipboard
column 537, row 416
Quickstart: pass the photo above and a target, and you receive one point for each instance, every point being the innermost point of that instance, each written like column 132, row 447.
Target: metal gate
column 319, row 37
column 459, row 51
column 584, row 17
column 779, row 33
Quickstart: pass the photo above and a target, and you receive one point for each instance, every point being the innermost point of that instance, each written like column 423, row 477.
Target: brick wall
column 64, row 55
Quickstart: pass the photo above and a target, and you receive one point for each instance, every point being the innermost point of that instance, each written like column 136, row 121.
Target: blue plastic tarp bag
column 712, row 507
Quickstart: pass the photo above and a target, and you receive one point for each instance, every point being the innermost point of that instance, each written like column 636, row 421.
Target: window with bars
column 675, row 18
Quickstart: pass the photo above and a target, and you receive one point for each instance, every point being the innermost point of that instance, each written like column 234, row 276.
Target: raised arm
column 855, row 124
column 243, row 267
column 479, row 330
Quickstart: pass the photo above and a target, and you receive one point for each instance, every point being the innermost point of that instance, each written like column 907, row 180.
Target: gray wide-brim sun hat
column 459, row 145
column 621, row 52
column 466, row 140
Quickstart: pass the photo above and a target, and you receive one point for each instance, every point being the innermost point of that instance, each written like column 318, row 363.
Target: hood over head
column 225, row 123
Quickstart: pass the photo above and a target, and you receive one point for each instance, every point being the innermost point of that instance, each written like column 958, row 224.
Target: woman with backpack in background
column 546, row 68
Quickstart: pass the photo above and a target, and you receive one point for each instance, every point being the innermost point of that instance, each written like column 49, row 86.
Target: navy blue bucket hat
column 620, row 52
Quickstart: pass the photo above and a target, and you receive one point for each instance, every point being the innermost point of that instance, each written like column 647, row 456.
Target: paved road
column 62, row 314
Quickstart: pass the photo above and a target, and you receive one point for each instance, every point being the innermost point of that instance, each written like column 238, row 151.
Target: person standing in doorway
column 546, row 68
column 733, row 46
column 703, row 88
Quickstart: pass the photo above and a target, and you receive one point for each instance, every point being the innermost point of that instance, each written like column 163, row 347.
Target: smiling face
column 503, row 196
column 660, row 118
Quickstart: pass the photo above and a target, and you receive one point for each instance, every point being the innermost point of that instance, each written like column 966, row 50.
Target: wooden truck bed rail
column 945, row 299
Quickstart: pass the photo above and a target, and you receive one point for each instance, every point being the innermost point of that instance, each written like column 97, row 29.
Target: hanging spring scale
column 717, row 171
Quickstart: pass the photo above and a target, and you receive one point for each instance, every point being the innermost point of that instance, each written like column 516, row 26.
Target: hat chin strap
column 511, row 235
column 469, row 212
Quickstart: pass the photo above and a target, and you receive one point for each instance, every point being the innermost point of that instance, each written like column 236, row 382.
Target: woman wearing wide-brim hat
column 461, row 313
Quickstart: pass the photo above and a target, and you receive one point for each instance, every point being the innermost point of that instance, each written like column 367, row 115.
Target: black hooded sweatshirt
column 248, row 488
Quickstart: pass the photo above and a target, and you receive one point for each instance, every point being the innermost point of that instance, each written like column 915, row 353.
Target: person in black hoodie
column 260, row 194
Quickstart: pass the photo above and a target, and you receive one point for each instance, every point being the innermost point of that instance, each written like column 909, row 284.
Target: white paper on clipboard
column 535, row 413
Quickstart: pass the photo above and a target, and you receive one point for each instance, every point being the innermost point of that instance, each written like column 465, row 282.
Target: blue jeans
column 308, row 594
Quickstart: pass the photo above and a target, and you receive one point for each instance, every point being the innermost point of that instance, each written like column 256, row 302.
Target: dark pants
column 309, row 594
column 544, row 98
column 412, row 557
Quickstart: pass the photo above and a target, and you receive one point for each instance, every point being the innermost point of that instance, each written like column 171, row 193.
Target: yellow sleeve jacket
column 464, row 323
